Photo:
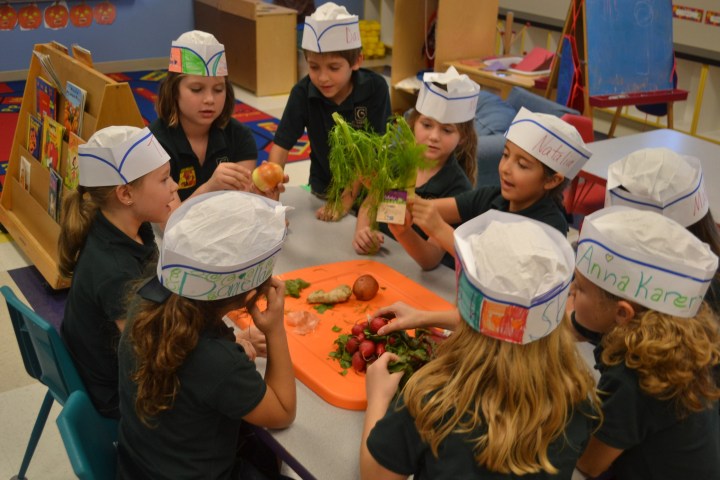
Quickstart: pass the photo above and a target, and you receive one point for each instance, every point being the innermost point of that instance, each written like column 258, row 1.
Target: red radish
column 358, row 363
column 360, row 336
column 357, row 329
column 352, row 345
column 367, row 349
column 376, row 324
column 380, row 348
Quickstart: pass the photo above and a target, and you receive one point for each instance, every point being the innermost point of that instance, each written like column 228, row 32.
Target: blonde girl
column 508, row 394
column 442, row 121
column 106, row 241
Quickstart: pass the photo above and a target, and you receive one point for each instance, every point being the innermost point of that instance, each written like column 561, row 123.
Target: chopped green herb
column 322, row 307
column 295, row 286
column 336, row 329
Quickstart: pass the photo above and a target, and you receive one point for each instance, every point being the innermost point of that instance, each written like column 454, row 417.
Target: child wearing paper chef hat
column 542, row 154
column 209, row 149
column 105, row 241
column 186, row 387
column 335, row 83
column 638, row 291
column 442, row 121
column 666, row 182
column 508, row 393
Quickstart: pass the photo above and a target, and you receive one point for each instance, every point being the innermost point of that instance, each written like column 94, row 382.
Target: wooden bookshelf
column 24, row 213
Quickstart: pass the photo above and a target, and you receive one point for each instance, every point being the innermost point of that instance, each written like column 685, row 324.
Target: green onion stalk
column 380, row 162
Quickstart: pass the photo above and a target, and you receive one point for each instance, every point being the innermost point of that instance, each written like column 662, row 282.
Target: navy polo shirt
column 234, row 143
column 307, row 108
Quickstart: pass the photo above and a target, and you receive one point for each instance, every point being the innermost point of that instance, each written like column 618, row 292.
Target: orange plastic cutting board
column 309, row 352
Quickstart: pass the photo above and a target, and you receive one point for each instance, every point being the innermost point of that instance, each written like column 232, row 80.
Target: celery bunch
column 382, row 162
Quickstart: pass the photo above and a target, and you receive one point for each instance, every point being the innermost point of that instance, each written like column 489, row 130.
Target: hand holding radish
column 380, row 384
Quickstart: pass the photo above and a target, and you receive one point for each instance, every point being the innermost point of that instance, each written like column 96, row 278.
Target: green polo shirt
column 307, row 108
column 395, row 444
column 234, row 143
column 656, row 443
column 108, row 261
column 476, row 202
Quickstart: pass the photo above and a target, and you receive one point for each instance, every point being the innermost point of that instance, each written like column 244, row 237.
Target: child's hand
column 327, row 214
column 426, row 216
column 367, row 241
column 247, row 346
column 274, row 193
column 406, row 318
column 380, row 384
column 230, row 176
column 398, row 230
column 271, row 319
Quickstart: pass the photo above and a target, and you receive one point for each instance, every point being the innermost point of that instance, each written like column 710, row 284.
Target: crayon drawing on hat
column 198, row 53
column 331, row 28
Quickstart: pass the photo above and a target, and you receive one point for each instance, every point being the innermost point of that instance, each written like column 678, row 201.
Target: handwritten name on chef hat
column 118, row 155
column 198, row 53
column 453, row 104
column 514, row 276
column 646, row 258
column 659, row 180
column 331, row 28
column 220, row 244
column 551, row 140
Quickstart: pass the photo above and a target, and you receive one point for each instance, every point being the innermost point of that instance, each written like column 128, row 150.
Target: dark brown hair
column 352, row 55
column 167, row 108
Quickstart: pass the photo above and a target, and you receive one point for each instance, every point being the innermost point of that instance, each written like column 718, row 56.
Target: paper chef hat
column 659, row 180
column 198, row 53
column 454, row 104
column 514, row 276
column 646, row 258
column 220, row 244
column 331, row 28
column 551, row 140
column 119, row 155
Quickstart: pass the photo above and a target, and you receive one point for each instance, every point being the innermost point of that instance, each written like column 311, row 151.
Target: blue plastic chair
column 89, row 438
column 46, row 359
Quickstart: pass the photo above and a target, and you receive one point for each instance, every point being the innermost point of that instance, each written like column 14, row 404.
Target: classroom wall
column 142, row 29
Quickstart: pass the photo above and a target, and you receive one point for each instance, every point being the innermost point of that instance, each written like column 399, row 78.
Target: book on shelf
column 24, row 173
column 49, row 70
column 34, row 135
column 46, row 96
column 72, row 173
column 54, row 193
column 74, row 107
column 52, row 143
column 82, row 54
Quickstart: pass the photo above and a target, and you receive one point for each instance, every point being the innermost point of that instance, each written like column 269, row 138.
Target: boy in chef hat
column 507, row 393
column 105, row 241
column 187, row 387
column 666, row 182
column 195, row 105
column 335, row 83
column 443, row 121
column 638, row 293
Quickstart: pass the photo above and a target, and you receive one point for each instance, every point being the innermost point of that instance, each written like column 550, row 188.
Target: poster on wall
column 8, row 17
column 56, row 15
column 81, row 15
column 29, row 17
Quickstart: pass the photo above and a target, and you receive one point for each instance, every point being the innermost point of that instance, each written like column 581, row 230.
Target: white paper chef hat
column 646, row 258
column 659, row 180
column 198, row 53
column 331, row 28
column 514, row 275
column 551, row 140
column 454, row 104
column 220, row 244
column 118, row 155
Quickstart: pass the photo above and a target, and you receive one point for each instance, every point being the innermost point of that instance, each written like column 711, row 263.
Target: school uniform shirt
column 307, row 108
column 656, row 444
column 476, row 202
column 108, row 261
column 198, row 436
column 395, row 444
column 234, row 143
column 449, row 181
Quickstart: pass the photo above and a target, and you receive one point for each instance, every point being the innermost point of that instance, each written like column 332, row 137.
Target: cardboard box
column 260, row 42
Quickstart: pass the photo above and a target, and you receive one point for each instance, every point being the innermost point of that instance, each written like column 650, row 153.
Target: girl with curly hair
column 508, row 393
column 638, row 293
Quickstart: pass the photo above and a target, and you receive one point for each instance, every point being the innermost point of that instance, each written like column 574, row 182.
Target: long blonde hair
column 521, row 396
column 674, row 357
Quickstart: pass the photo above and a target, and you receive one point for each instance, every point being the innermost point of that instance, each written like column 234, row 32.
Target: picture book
column 74, row 107
column 72, row 172
column 34, row 135
column 46, row 98
column 24, row 173
column 52, row 143
column 54, row 194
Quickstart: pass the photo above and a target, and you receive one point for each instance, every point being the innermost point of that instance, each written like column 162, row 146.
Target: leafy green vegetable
column 383, row 162
column 295, row 286
column 323, row 307
column 336, row 329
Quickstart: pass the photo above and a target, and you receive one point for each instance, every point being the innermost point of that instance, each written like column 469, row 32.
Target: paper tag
column 392, row 208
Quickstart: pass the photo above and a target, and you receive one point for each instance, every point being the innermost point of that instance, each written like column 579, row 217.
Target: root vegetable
column 267, row 176
column 365, row 287
column 336, row 295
